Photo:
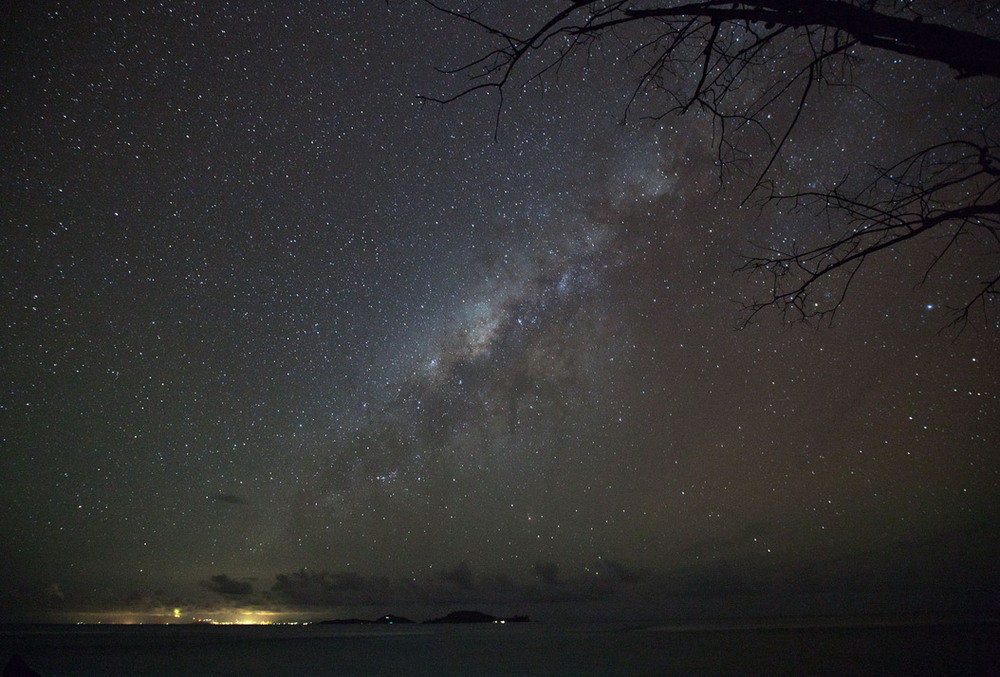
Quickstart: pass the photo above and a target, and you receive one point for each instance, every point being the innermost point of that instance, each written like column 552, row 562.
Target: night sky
column 282, row 340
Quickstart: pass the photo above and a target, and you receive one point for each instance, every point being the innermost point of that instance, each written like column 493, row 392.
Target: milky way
column 281, row 336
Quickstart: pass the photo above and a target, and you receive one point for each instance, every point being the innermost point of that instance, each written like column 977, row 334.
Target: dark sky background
column 280, row 340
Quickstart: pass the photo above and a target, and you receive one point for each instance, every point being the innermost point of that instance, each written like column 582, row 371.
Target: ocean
column 957, row 648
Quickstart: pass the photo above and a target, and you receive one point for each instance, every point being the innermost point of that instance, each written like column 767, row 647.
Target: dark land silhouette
column 462, row 616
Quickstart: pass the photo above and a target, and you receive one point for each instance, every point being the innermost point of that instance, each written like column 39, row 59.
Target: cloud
column 459, row 584
column 55, row 591
column 619, row 572
column 461, row 576
column 224, row 585
column 323, row 588
column 155, row 602
column 232, row 499
column 548, row 572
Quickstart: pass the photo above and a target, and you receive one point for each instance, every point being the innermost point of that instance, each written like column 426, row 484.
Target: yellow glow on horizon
column 175, row 615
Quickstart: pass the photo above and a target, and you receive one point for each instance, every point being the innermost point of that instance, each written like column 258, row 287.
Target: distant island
column 388, row 619
column 453, row 617
column 476, row 617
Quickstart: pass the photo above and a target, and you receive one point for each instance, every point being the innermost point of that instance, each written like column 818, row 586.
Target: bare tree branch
column 753, row 68
column 950, row 190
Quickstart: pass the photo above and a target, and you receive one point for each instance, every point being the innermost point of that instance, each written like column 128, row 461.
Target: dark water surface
column 969, row 648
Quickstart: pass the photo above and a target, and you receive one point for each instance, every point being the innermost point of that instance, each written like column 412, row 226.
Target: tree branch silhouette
column 906, row 201
column 753, row 68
